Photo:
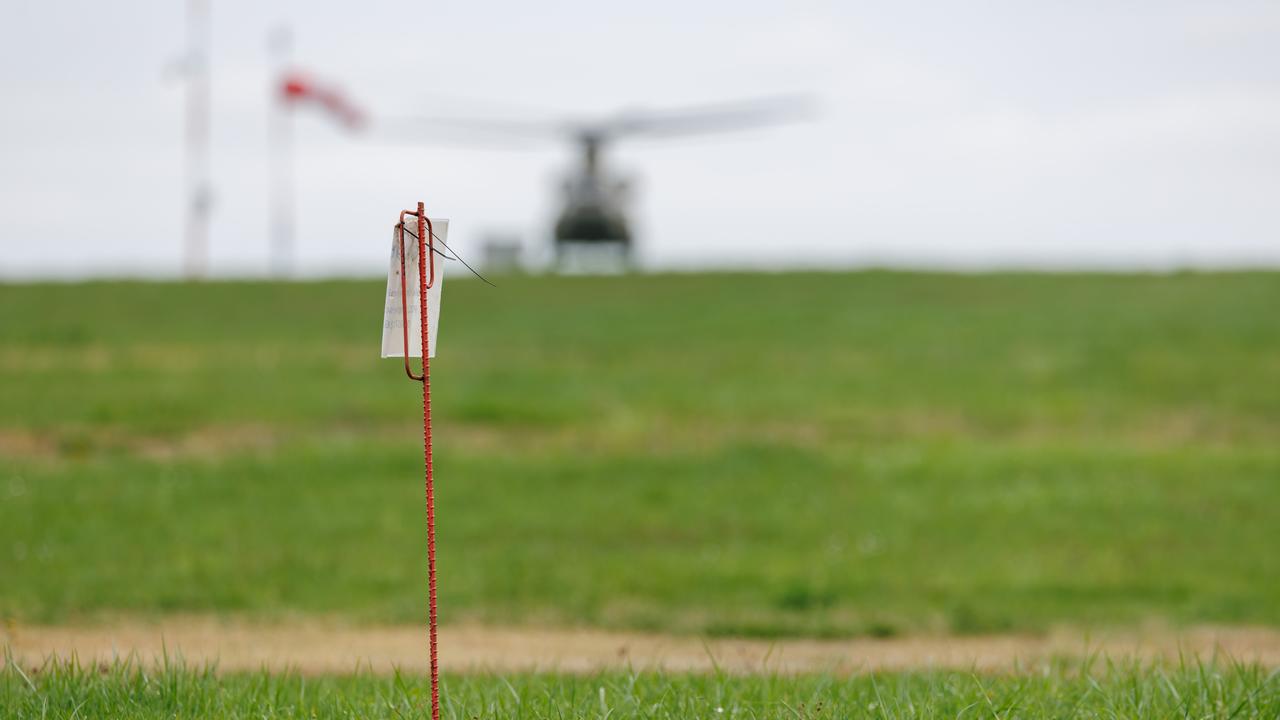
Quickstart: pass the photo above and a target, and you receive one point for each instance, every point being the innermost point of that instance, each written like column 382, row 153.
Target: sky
column 1134, row 135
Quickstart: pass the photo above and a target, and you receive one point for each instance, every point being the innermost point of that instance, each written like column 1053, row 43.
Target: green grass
column 821, row 454
column 1098, row 690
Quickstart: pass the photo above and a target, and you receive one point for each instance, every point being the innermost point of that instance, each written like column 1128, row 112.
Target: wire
column 455, row 255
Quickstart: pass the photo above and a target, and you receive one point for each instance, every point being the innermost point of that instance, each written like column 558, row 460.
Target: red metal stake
column 426, row 250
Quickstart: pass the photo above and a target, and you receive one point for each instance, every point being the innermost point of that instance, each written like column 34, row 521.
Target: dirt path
column 315, row 648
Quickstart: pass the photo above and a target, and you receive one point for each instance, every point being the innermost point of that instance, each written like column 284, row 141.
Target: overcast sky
column 1134, row 134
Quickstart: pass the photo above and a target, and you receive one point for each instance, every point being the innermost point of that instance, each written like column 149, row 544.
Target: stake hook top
column 426, row 279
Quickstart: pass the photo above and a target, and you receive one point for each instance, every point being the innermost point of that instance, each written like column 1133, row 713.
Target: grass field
column 813, row 454
column 1190, row 690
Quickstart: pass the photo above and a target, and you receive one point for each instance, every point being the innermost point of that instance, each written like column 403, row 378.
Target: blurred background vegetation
column 817, row 454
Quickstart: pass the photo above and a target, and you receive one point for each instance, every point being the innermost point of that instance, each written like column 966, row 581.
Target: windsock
column 297, row 88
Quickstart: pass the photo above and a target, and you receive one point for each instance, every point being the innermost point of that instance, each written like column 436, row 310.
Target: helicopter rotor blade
column 507, row 132
column 475, row 131
column 719, row 117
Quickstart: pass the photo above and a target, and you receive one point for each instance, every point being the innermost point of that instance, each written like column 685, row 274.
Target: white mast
column 280, row 141
column 198, row 121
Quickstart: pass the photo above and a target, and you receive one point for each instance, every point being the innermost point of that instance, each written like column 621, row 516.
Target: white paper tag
column 393, row 320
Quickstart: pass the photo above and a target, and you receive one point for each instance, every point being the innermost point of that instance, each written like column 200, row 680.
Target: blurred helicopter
column 594, row 209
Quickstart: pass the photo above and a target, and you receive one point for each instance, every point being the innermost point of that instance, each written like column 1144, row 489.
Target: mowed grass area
column 1100, row 690
column 820, row 454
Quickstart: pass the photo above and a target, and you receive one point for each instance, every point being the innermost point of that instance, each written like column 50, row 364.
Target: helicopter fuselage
column 594, row 210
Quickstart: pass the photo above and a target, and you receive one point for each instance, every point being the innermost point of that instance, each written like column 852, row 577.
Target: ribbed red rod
column 425, row 248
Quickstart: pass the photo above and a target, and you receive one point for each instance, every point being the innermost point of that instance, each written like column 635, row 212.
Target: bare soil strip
column 319, row 648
